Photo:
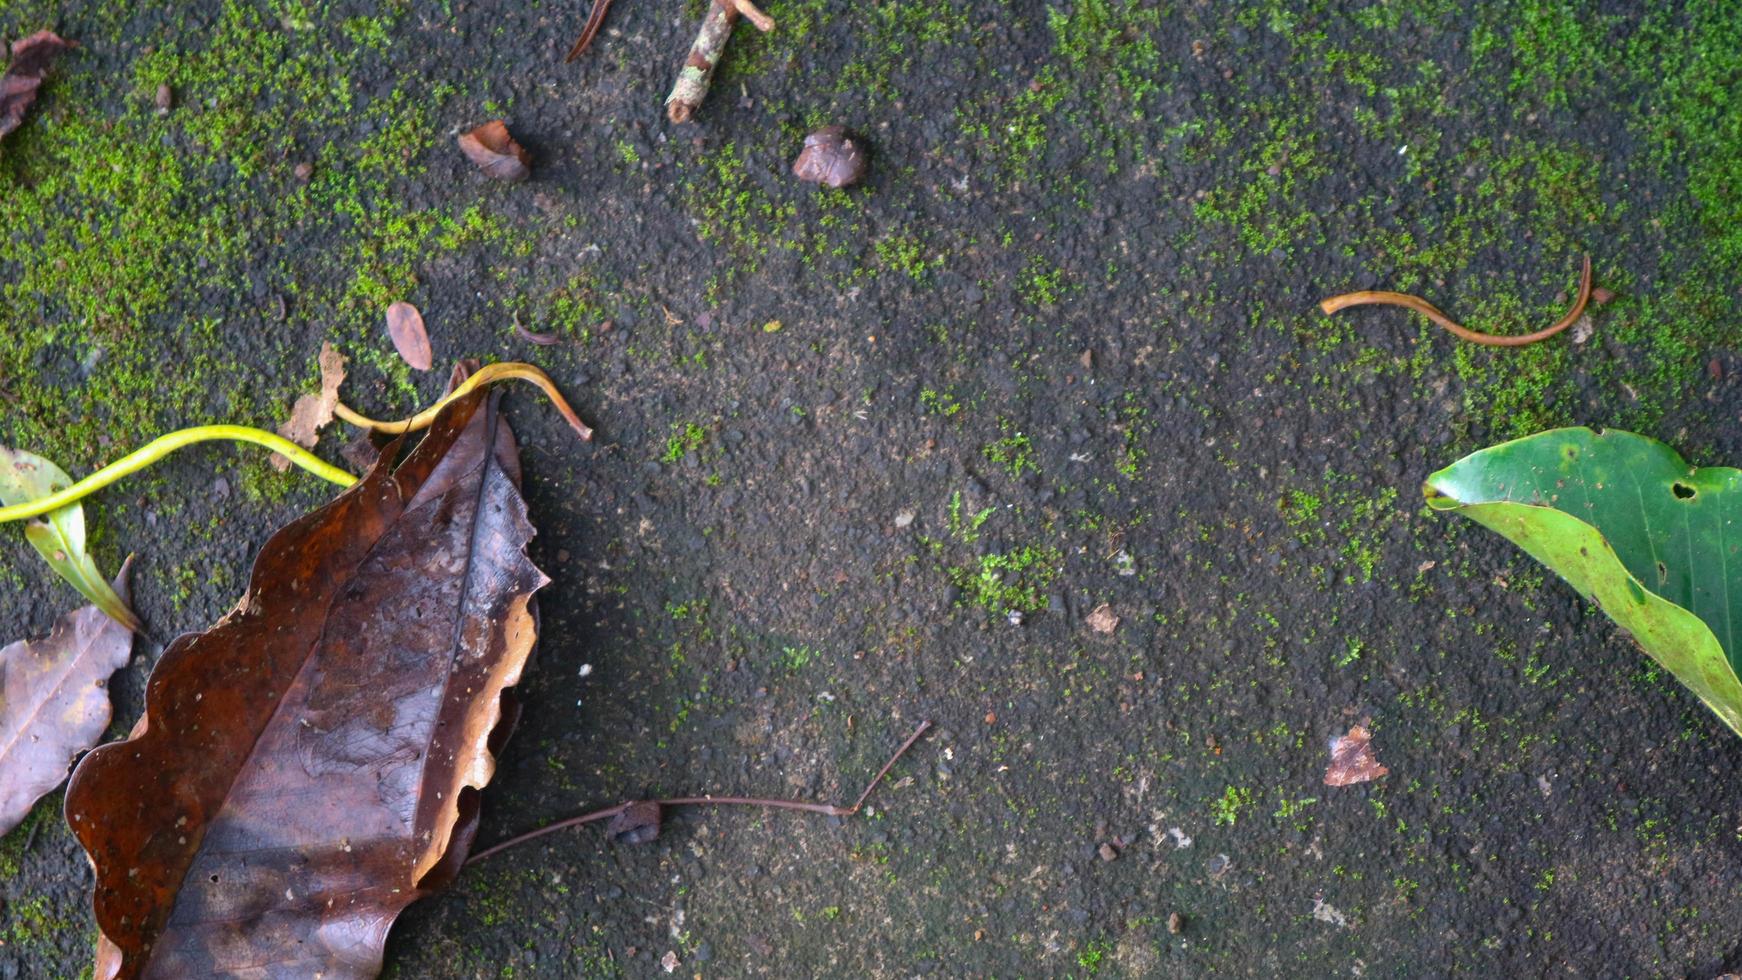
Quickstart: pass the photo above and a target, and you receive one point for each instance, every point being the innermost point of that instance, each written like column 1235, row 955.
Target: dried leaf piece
column 831, row 157
column 60, row 539
column 410, row 339
column 495, row 152
column 1103, row 619
column 311, row 765
column 54, row 701
column 311, row 413
column 1352, row 759
column 638, row 823
column 31, row 58
column 532, row 337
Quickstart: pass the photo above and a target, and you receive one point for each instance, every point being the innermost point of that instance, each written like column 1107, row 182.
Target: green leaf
column 1653, row 542
column 25, row 476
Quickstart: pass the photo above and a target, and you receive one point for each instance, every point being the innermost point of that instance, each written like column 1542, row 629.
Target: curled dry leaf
column 410, row 339
column 31, row 58
column 832, row 157
column 1103, row 619
column 495, row 152
column 1352, row 759
column 310, row 765
column 532, row 337
column 311, row 413
column 60, row 536
column 638, row 823
column 54, row 702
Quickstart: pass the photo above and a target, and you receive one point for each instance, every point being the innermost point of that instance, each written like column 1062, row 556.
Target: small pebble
column 1175, row 923
column 1107, row 852
column 164, row 99
column 304, row 171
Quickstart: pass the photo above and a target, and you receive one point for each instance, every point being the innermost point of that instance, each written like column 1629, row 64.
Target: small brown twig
column 1422, row 306
column 595, row 19
column 826, row 809
column 704, row 55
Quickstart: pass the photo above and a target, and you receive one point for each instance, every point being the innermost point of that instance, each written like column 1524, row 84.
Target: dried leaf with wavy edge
column 310, row 765
column 54, row 702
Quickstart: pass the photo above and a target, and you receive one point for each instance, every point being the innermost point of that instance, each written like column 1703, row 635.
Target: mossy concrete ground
column 1061, row 350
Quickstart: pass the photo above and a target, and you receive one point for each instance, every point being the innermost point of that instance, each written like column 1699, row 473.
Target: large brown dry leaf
column 311, row 413
column 495, row 152
column 31, row 58
column 54, row 701
column 410, row 339
column 310, row 765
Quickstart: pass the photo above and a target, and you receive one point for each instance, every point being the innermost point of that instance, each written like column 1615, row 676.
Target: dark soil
column 871, row 456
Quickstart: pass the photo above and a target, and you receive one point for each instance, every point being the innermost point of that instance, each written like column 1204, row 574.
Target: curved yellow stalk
column 162, row 446
column 483, row 376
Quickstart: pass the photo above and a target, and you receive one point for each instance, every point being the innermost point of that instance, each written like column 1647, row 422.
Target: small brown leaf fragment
column 831, row 157
column 532, row 337
column 495, row 152
column 1103, row 619
column 1352, row 759
column 637, row 824
column 311, row 413
column 1602, row 296
column 164, row 98
column 1715, row 369
column 31, row 58
column 54, row 702
column 1108, row 852
column 410, row 339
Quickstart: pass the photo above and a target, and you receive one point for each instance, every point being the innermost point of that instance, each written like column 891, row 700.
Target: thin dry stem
column 826, row 809
column 483, row 376
column 1383, row 298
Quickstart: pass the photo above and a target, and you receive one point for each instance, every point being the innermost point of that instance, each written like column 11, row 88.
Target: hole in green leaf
column 1683, row 491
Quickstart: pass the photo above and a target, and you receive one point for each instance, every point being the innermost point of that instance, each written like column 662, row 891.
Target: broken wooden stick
column 637, row 821
column 698, row 68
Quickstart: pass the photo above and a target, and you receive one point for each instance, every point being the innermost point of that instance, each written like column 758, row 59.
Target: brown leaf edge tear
column 31, row 58
column 495, row 152
column 206, row 758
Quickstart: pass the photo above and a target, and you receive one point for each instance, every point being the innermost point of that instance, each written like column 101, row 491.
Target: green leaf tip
column 60, row 535
column 1652, row 541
